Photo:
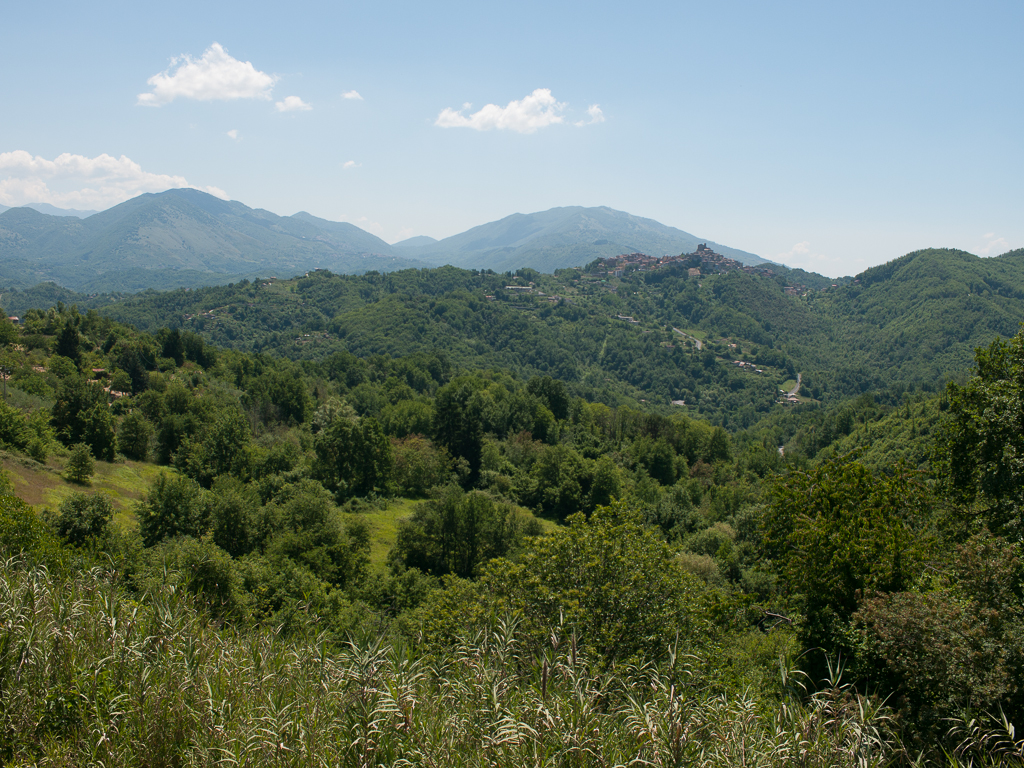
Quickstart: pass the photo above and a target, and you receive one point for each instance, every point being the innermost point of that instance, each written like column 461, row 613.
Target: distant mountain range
column 53, row 210
column 179, row 238
column 187, row 238
column 562, row 237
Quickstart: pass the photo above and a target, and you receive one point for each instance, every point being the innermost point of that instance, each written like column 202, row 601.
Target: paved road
column 696, row 341
column 796, row 390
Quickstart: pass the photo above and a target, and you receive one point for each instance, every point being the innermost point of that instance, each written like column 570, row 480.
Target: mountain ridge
column 187, row 238
column 563, row 237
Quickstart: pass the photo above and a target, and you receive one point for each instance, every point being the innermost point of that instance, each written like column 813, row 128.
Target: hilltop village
column 703, row 261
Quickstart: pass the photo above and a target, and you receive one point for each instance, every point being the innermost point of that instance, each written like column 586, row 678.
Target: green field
column 43, row 485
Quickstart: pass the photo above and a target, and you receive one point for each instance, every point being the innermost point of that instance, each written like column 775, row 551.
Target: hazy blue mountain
column 182, row 237
column 415, row 242
column 55, row 211
column 564, row 237
column 186, row 238
column 341, row 232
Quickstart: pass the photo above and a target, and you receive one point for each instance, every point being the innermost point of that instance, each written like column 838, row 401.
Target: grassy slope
column 43, row 485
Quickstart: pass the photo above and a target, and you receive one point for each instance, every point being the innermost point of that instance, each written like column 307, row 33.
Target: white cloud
column 233, row 133
column 351, row 164
column 404, row 233
column 993, row 245
column 596, row 116
column 216, row 76
column 76, row 181
column 803, row 256
column 798, row 251
column 351, row 95
column 364, row 223
column 292, row 104
column 538, row 110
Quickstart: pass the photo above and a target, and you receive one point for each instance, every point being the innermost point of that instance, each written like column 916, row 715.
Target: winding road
column 695, row 340
column 796, row 390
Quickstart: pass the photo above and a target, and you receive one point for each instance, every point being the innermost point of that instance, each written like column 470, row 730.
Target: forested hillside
column 908, row 326
column 453, row 517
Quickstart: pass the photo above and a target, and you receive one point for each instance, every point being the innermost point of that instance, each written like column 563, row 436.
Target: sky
column 826, row 136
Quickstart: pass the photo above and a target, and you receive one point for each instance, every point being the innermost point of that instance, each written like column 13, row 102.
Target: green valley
column 595, row 507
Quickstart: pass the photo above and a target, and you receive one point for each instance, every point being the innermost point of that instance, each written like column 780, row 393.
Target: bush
column 457, row 532
column 80, row 465
column 420, row 465
column 204, row 569
column 37, row 449
column 13, row 430
column 81, row 517
column 174, row 506
column 21, row 530
column 956, row 650
column 609, row 580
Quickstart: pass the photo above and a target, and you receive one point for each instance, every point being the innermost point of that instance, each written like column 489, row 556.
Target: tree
column 220, row 448
column 80, row 465
column 134, row 436
column 310, row 532
column 457, row 532
column 233, row 515
column 980, row 453
column 420, row 466
column 838, row 530
column 563, row 482
column 462, row 414
column 21, row 529
column 354, row 458
column 552, row 393
column 81, row 517
column 8, row 331
column 172, row 346
column 607, row 578
column 80, row 415
column 174, row 506
column 13, row 429
column 67, row 343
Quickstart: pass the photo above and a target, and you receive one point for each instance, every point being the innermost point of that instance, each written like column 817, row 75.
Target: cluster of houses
column 705, row 262
column 528, row 289
column 746, row 365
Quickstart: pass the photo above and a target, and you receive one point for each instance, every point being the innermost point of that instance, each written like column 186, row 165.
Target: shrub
column 80, row 464
column 81, row 517
column 174, row 506
column 457, row 532
column 608, row 579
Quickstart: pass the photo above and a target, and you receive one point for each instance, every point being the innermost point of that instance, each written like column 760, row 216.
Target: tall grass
column 89, row 675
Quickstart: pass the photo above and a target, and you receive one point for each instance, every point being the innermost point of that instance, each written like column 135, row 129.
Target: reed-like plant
column 90, row 675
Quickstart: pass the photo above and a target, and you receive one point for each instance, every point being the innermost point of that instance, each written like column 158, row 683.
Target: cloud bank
column 538, row 110
column 76, row 181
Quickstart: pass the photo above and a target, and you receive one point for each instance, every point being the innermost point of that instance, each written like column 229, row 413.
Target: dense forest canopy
column 595, row 519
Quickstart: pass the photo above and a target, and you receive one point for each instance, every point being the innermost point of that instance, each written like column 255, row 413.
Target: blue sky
column 828, row 136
